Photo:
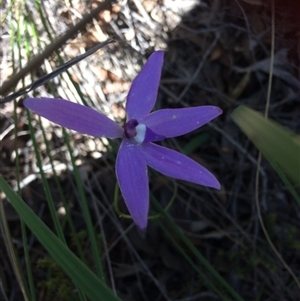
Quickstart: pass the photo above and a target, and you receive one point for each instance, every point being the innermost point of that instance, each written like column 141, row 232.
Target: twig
column 41, row 81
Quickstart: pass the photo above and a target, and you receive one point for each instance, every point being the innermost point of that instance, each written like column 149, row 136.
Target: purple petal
column 75, row 117
column 143, row 92
column 176, row 122
column 178, row 166
column 131, row 170
column 151, row 136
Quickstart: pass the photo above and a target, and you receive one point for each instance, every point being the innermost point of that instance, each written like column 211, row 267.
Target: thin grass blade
column 276, row 143
column 81, row 275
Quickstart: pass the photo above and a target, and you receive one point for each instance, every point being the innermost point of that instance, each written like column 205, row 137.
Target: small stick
column 41, row 81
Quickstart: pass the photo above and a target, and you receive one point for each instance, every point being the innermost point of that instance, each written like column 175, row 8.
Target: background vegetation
column 61, row 238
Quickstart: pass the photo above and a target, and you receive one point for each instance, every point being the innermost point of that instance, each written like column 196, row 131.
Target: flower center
column 130, row 128
column 140, row 132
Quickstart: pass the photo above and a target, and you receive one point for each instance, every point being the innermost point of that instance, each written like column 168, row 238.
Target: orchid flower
column 142, row 128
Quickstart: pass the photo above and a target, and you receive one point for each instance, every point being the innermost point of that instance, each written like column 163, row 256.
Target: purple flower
column 141, row 129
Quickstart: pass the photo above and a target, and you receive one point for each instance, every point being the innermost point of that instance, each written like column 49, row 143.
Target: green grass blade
column 46, row 187
column 82, row 277
column 86, row 212
column 279, row 146
column 285, row 180
column 68, row 217
column 7, row 240
column 28, row 293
